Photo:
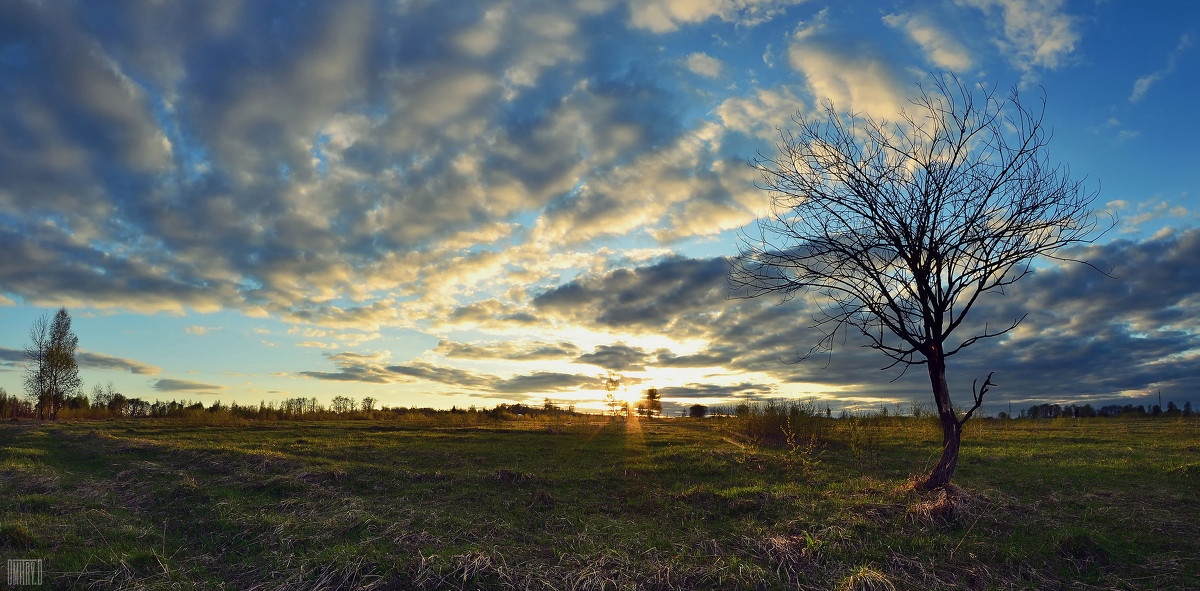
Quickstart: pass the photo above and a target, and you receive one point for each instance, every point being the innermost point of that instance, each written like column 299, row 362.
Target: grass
column 588, row 503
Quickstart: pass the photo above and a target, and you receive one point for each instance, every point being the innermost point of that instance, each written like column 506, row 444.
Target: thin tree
column 900, row 227
column 612, row 382
column 51, row 374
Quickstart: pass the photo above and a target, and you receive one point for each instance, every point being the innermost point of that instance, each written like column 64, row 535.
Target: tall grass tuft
column 780, row 423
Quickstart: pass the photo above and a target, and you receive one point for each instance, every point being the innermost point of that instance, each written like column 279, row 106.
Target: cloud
column 1086, row 337
column 1134, row 218
column 943, row 50
column 11, row 357
column 661, row 16
column 317, row 345
column 677, row 296
column 714, row 357
column 855, row 80
column 1143, row 84
column 691, row 392
column 201, row 330
column 92, row 360
column 280, row 174
column 764, row 113
column 526, row 384
column 348, row 167
column 542, row 383
column 88, row 360
column 703, row 64
column 1037, row 33
column 536, row 351
column 357, row 367
column 618, row 357
column 175, row 385
column 458, row 378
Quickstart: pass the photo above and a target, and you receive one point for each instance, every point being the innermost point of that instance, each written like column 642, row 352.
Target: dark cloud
column 490, row 312
column 543, row 382
column 678, row 296
column 354, row 367
column 1086, row 336
column 88, row 359
column 371, row 369
column 508, row 351
column 520, row 384
column 618, row 357
column 744, row 390
column 175, row 385
column 12, row 356
column 712, row 358
column 445, row 375
column 349, row 374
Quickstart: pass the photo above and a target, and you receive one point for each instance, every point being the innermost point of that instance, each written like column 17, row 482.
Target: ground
column 576, row 502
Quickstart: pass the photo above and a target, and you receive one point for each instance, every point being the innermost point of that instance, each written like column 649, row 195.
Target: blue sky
column 456, row 203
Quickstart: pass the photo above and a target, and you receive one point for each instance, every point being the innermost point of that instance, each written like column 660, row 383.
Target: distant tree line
column 107, row 403
column 1054, row 411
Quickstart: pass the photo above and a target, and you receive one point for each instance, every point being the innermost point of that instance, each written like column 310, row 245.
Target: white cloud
column 1134, row 218
column 762, row 114
column 1143, row 84
column 703, row 64
column 317, row 344
column 856, row 83
column 661, row 16
column 940, row 47
column 638, row 194
column 1037, row 34
column 485, row 37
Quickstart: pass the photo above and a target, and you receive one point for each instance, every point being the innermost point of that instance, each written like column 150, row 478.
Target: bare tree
column 612, row 382
column 51, row 374
column 900, row 227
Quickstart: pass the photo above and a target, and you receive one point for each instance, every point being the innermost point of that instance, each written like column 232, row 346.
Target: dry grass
column 365, row 506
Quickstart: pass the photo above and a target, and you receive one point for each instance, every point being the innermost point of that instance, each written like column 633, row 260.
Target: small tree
column 902, row 227
column 697, row 411
column 368, row 404
column 51, row 374
column 612, row 382
column 651, row 403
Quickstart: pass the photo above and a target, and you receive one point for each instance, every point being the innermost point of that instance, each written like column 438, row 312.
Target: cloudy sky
column 443, row 203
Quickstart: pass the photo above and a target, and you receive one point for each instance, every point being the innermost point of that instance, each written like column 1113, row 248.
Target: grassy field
column 588, row 503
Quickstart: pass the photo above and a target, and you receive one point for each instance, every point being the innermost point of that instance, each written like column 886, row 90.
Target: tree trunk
column 951, row 429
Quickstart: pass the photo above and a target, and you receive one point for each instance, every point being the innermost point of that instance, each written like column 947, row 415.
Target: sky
column 456, row 203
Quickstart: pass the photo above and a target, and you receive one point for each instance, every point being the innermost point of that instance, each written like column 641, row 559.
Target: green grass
column 592, row 504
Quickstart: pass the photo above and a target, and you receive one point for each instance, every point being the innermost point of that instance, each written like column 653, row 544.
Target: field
column 591, row 503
